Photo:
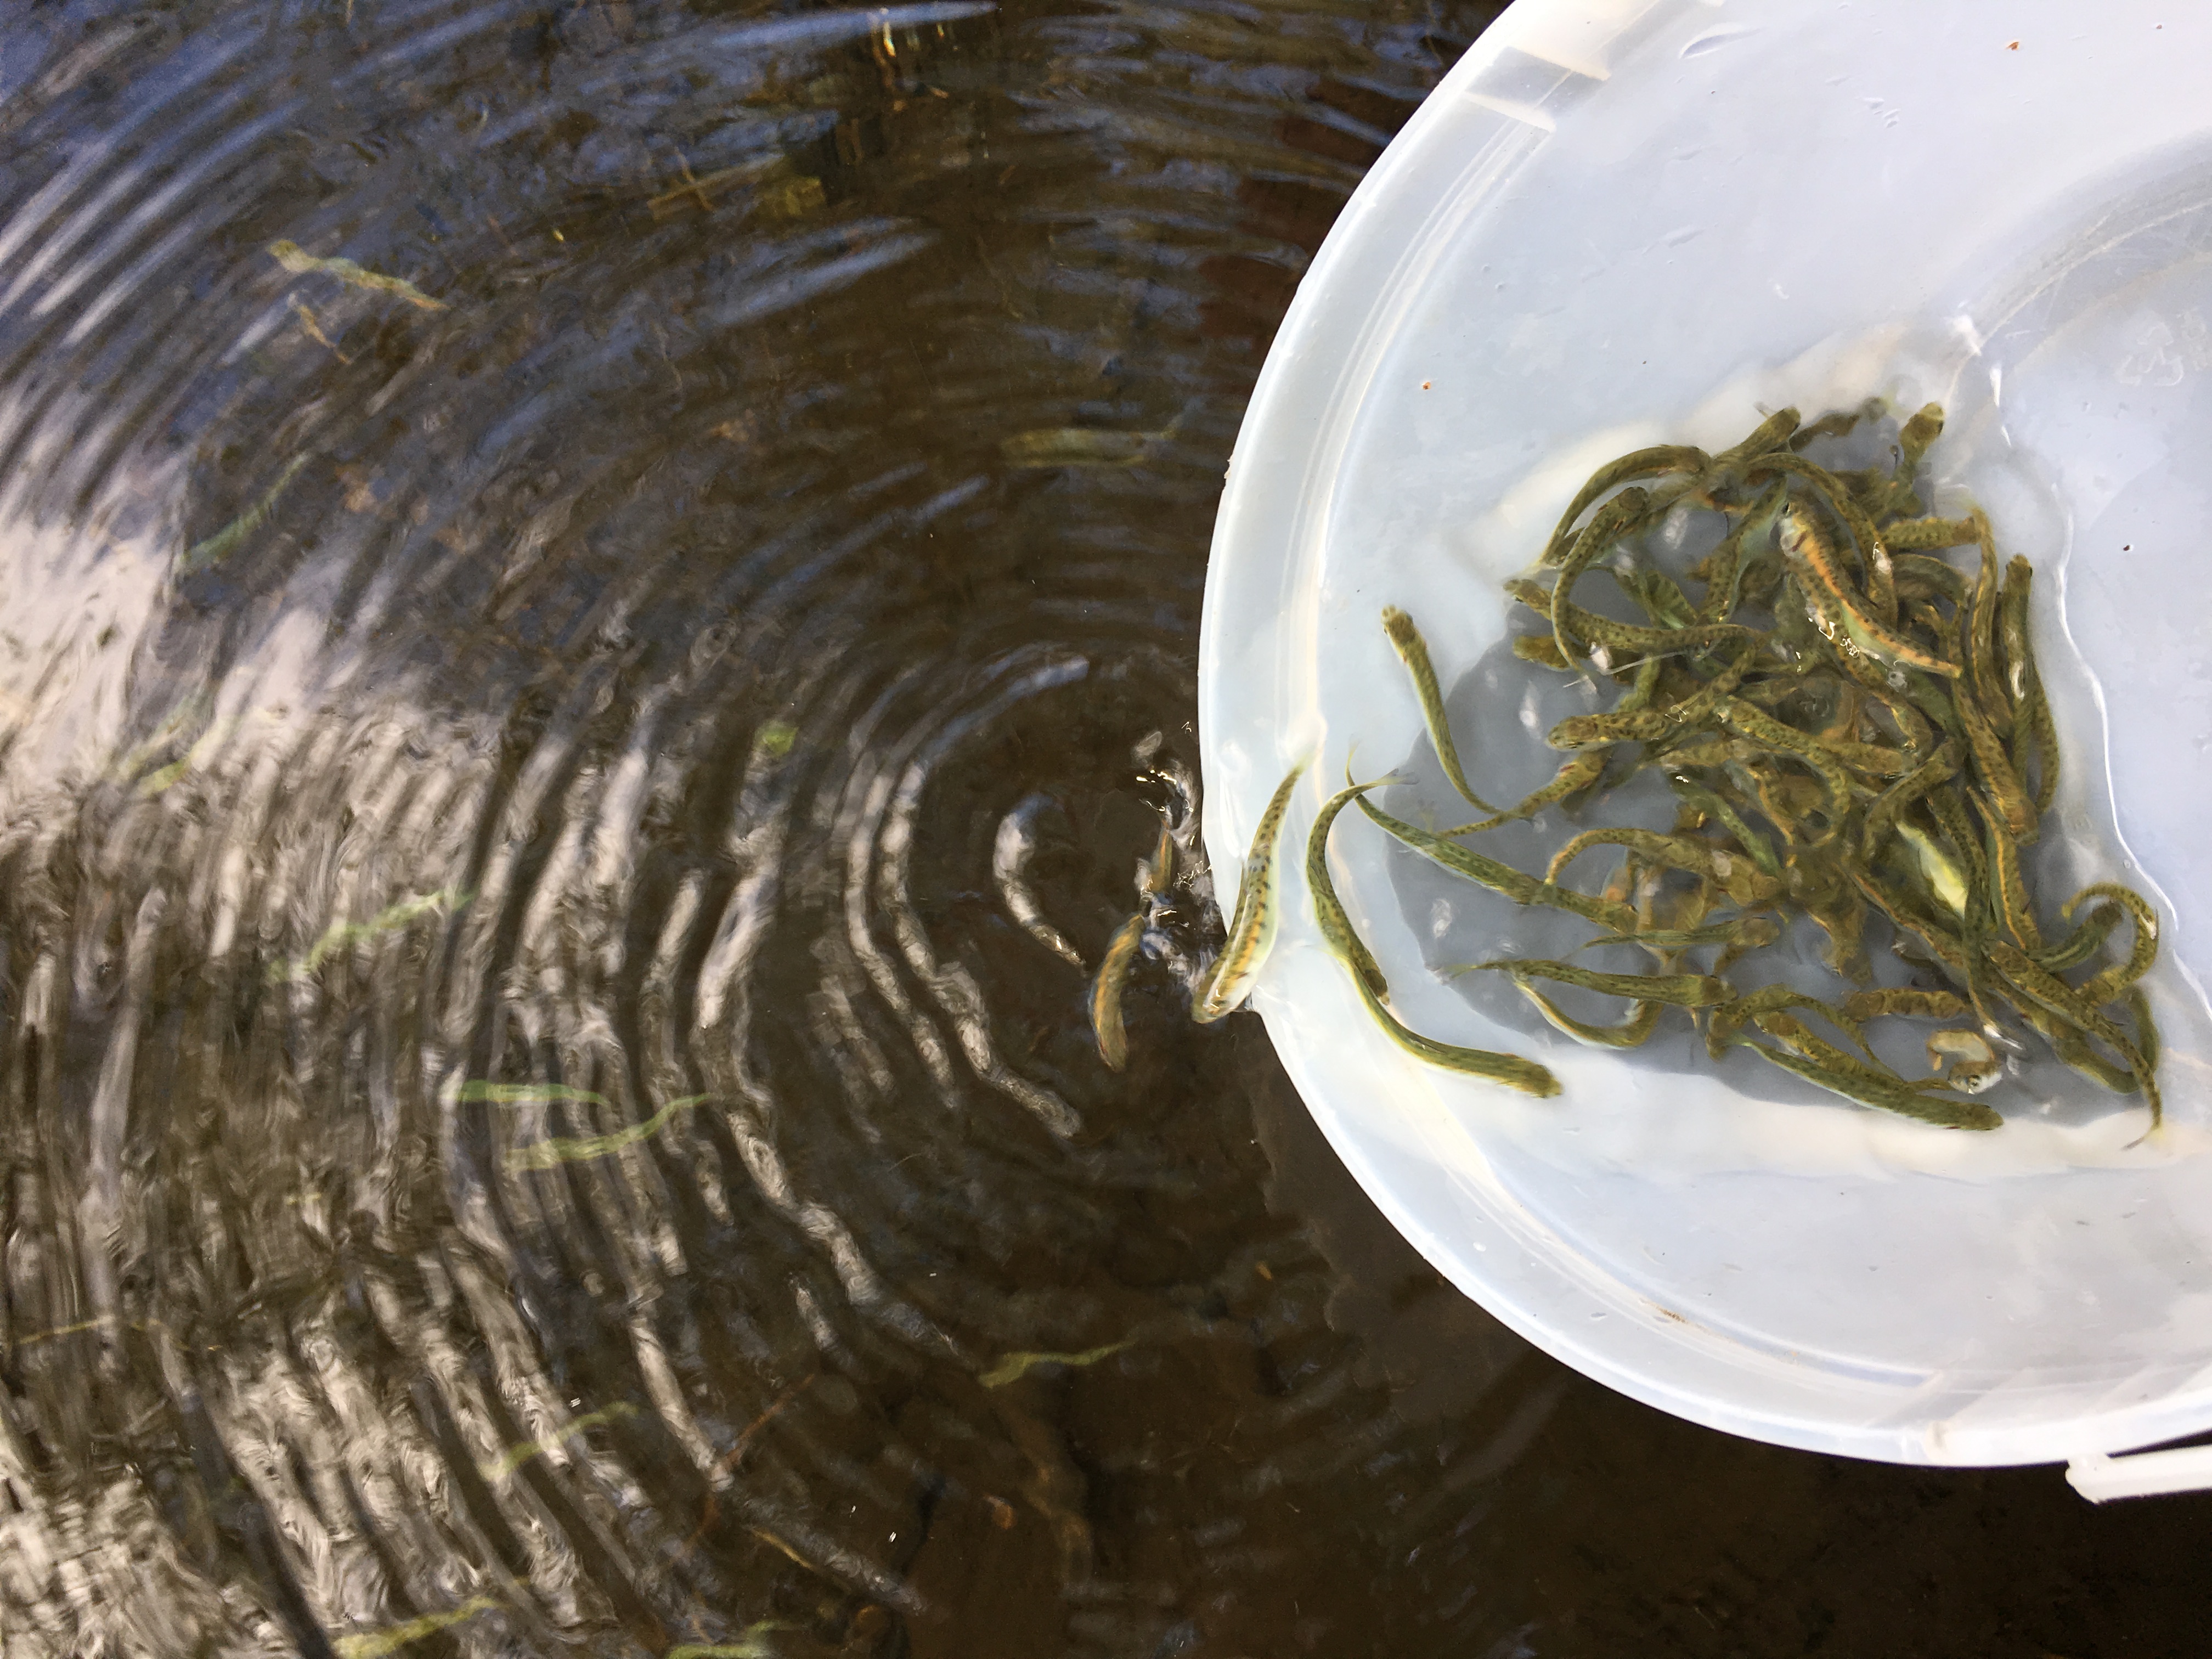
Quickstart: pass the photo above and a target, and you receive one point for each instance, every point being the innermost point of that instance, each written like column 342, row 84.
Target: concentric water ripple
column 598, row 620
column 598, row 604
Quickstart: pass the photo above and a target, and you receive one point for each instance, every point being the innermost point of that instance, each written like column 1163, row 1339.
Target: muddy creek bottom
column 600, row 606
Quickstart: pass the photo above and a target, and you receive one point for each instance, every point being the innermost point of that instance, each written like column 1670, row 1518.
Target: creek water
column 598, row 610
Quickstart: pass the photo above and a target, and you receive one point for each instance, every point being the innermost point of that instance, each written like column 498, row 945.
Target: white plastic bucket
column 1619, row 224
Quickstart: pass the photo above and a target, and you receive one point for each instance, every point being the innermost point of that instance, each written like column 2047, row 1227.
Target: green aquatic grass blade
column 300, row 262
column 515, row 1456
column 341, row 935
column 1014, row 1366
column 526, row 1094
column 564, row 1149
column 212, row 551
column 377, row 1643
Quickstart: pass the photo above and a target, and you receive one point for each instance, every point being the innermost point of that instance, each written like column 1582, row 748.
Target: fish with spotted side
column 1259, row 912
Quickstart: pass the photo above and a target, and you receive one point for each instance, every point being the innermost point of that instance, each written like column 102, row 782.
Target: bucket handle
column 2144, row 1474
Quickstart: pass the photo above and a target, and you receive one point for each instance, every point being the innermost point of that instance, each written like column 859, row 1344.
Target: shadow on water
column 599, row 611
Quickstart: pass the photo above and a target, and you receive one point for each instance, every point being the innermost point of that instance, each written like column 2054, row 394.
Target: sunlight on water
column 598, row 631
column 545, row 550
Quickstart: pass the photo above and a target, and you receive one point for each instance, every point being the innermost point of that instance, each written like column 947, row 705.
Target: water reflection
column 559, row 783
column 600, row 605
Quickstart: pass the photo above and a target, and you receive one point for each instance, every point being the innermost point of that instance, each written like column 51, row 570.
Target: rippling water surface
column 597, row 621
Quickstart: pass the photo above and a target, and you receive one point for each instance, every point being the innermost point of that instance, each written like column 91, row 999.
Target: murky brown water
column 557, row 783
